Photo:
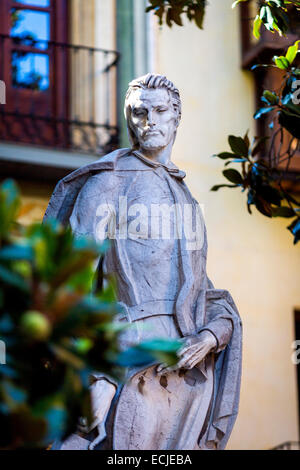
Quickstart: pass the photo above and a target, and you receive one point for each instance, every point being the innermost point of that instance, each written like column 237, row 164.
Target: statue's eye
column 161, row 110
column 139, row 112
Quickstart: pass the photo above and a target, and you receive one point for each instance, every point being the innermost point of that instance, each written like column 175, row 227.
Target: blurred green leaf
column 271, row 97
column 281, row 62
column 13, row 279
column 238, row 145
column 133, row 357
column 283, row 211
column 225, row 155
column 237, row 2
column 218, row 186
column 262, row 111
column 16, row 252
column 161, row 344
column 256, row 26
column 9, row 206
column 233, row 176
column 294, row 228
column 292, row 52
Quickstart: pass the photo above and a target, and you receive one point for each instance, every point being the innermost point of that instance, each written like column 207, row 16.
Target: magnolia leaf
column 278, row 3
column 236, row 160
column 259, row 145
column 263, row 206
column 233, row 176
column 292, row 52
column 270, row 96
column 169, row 17
column 263, row 13
column 238, row 145
column 218, row 186
column 225, row 155
column 237, row 2
column 283, row 211
column 175, row 15
column 262, row 111
column 199, row 15
column 256, row 26
column 134, row 357
column 270, row 194
column 161, row 344
column 281, row 62
column 13, row 279
column 294, row 228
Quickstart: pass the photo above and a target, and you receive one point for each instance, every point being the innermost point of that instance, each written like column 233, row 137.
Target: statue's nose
column 150, row 119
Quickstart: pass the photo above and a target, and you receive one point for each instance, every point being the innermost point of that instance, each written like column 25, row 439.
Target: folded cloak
column 212, row 304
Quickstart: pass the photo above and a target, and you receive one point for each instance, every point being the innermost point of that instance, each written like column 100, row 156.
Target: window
column 34, row 71
column 58, row 94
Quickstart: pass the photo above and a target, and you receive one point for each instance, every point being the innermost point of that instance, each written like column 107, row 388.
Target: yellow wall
column 34, row 200
column 251, row 256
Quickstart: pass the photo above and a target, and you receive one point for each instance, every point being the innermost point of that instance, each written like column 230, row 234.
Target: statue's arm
column 221, row 329
column 213, row 337
column 219, row 321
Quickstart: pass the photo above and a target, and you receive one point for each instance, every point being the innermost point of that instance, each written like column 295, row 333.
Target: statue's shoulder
column 118, row 160
column 107, row 162
column 68, row 188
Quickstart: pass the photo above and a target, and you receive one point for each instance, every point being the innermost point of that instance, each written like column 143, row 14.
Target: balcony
column 290, row 445
column 58, row 96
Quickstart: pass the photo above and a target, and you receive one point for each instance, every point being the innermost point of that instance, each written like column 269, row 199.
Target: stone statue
column 138, row 199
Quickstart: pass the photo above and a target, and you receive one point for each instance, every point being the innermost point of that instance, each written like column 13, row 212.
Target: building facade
column 65, row 84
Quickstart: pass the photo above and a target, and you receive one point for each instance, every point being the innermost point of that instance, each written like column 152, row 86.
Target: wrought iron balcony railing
column 58, row 95
column 290, row 445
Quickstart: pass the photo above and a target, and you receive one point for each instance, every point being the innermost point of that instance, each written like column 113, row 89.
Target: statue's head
column 153, row 111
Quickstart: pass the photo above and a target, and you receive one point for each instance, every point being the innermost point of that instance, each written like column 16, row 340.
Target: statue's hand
column 193, row 351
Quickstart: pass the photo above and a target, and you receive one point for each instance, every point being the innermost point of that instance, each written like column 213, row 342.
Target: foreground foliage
column 56, row 332
column 272, row 14
column 264, row 163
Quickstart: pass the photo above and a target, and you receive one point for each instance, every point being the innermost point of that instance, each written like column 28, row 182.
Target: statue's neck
column 158, row 155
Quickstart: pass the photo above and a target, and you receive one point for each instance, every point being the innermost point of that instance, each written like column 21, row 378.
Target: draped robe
column 165, row 292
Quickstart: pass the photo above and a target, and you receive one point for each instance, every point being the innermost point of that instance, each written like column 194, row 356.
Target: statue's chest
column 155, row 204
column 155, row 187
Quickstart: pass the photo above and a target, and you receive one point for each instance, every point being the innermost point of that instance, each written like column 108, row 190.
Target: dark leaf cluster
column 56, row 327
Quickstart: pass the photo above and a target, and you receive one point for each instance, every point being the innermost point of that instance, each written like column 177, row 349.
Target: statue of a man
column 137, row 198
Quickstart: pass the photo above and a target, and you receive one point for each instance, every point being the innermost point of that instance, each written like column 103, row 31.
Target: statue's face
column 153, row 118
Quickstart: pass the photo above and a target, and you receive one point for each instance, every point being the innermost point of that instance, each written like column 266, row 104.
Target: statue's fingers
column 165, row 370
column 185, row 349
column 183, row 362
column 191, row 351
column 185, row 346
column 160, row 367
column 193, row 363
column 194, row 359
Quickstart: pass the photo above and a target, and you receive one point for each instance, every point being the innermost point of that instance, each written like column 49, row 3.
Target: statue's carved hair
column 151, row 80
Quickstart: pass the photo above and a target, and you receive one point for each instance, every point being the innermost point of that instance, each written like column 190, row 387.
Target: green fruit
column 35, row 325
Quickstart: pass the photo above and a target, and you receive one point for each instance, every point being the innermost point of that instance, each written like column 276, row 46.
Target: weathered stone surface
column 137, row 198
